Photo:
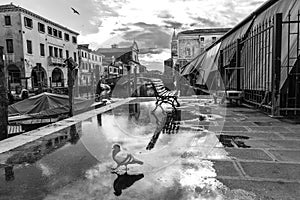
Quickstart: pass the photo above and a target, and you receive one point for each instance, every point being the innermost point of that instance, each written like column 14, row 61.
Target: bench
column 164, row 95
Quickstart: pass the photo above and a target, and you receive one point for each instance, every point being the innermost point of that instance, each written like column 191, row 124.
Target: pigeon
column 123, row 158
column 75, row 11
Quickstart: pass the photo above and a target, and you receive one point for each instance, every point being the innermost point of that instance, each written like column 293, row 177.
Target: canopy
column 47, row 104
column 210, row 64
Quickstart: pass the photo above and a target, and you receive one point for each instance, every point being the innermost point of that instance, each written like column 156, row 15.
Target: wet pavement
column 199, row 151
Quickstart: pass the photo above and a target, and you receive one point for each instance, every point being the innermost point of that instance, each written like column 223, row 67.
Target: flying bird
column 123, row 158
column 75, row 11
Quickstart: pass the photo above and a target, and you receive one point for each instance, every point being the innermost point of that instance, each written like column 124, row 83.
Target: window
column 74, row 39
column 50, row 51
column 214, row 39
column 60, row 34
column 67, row 54
column 54, row 32
column 82, row 55
column 28, row 22
column 75, row 57
column 202, row 39
column 9, row 46
column 29, row 46
column 7, row 20
column 49, row 30
column 96, row 58
column 67, row 37
column 60, row 53
column 41, row 27
column 92, row 57
column 85, row 55
column 55, row 52
column 42, row 49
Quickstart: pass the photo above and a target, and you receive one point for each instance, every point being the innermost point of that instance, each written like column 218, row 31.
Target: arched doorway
column 57, row 78
column 14, row 77
column 38, row 77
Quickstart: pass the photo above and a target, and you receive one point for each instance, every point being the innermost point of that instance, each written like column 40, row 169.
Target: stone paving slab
column 234, row 124
column 286, row 155
column 266, row 190
column 255, row 135
column 227, row 128
column 248, row 154
column 284, row 171
column 225, row 168
column 277, row 129
column 274, row 144
column 290, row 135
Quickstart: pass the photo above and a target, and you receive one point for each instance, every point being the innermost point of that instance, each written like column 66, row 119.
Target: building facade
column 188, row 44
column 117, row 61
column 90, row 65
column 35, row 49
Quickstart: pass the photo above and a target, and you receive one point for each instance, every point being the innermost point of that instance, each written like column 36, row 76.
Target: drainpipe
column 3, row 99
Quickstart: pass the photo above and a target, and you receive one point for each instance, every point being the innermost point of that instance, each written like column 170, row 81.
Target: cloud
column 122, row 29
column 145, row 25
column 151, row 51
column 172, row 24
column 207, row 22
column 165, row 14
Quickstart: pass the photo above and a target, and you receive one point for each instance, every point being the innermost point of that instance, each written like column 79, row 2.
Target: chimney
column 114, row 46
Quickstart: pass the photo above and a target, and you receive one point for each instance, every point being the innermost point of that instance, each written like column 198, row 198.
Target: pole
column 135, row 81
column 276, row 65
column 72, row 76
column 3, row 100
column 129, row 81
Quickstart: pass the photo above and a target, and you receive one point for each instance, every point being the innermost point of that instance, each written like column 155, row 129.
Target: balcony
column 10, row 58
column 55, row 61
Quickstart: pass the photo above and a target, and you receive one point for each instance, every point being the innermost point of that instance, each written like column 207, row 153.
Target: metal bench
column 164, row 95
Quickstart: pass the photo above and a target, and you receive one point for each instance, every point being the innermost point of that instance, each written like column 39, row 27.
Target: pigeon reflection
column 124, row 181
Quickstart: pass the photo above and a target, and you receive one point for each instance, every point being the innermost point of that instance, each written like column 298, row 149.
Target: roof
column 13, row 8
column 116, row 52
column 205, row 31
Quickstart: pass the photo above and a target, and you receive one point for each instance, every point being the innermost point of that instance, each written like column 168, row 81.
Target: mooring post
column 72, row 75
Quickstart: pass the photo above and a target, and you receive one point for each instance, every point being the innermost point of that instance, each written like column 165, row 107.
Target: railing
column 55, row 61
column 10, row 58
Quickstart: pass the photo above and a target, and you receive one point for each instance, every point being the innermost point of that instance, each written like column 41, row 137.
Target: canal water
column 76, row 163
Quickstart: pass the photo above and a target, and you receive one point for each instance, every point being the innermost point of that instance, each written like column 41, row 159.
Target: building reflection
column 9, row 173
column 32, row 152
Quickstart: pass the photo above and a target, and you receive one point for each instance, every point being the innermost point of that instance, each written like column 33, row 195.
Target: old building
column 90, row 68
column 188, row 44
column 117, row 61
column 35, row 48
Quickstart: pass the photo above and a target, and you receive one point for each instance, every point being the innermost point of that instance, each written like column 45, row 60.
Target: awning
column 210, row 64
column 231, row 39
column 194, row 64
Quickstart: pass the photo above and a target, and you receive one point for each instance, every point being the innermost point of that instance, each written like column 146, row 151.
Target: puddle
column 76, row 163
column 233, row 141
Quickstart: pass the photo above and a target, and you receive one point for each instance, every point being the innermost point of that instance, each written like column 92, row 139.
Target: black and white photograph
column 149, row 100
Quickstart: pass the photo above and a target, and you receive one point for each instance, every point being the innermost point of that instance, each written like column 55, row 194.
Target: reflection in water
column 169, row 124
column 134, row 111
column 9, row 173
column 124, row 181
column 74, row 135
column 99, row 119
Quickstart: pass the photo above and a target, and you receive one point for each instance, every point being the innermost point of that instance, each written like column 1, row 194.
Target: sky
column 150, row 23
